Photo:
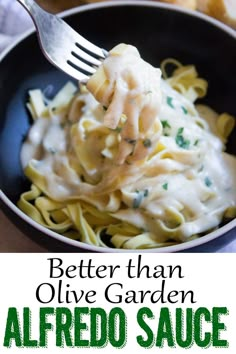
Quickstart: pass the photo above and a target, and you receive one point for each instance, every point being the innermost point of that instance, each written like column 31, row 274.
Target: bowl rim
column 117, row 3
column 91, row 248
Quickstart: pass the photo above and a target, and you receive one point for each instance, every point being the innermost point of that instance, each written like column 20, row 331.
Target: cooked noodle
column 129, row 162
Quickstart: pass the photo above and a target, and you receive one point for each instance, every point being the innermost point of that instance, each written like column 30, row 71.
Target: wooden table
column 61, row 5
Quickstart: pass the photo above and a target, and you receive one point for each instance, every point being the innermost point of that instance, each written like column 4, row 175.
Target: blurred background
column 223, row 10
column 59, row 5
column 14, row 19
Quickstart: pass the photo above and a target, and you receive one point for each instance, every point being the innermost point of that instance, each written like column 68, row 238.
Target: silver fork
column 63, row 46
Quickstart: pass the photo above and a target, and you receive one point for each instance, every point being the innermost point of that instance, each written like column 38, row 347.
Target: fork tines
column 85, row 56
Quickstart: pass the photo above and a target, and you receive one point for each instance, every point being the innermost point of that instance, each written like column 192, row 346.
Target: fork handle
column 40, row 17
column 35, row 11
column 29, row 5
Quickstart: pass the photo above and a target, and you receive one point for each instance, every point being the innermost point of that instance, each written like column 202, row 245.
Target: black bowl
column 158, row 31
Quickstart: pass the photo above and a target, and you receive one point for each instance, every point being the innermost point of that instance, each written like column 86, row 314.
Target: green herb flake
column 146, row 192
column 169, row 101
column 180, row 140
column 165, row 124
column 139, row 198
column 180, row 131
column 196, row 142
column 208, row 182
column 131, row 141
column 118, row 129
column 165, row 186
column 147, row 143
column 201, row 168
column 184, row 110
column 128, row 163
column 52, row 150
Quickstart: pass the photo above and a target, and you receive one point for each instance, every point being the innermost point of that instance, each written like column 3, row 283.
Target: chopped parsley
column 118, row 129
column 52, row 150
column 169, row 101
column 139, row 198
column 196, row 142
column 147, row 143
column 66, row 123
column 165, row 124
column 137, row 201
column 180, row 140
column 184, row 110
column 145, row 193
column 165, row 186
column 131, row 141
column 208, row 182
column 201, row 168
column 180, row 131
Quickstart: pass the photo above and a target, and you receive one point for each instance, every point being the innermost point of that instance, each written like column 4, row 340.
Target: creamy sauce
column 144, row 143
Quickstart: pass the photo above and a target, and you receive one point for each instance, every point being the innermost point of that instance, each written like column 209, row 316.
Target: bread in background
column 223, row 10
column 189, row 4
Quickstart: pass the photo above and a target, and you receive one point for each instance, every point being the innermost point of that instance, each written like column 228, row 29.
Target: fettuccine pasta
column 129, row 161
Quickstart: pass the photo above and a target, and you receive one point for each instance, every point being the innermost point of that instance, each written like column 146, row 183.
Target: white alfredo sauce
column 162, row 149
